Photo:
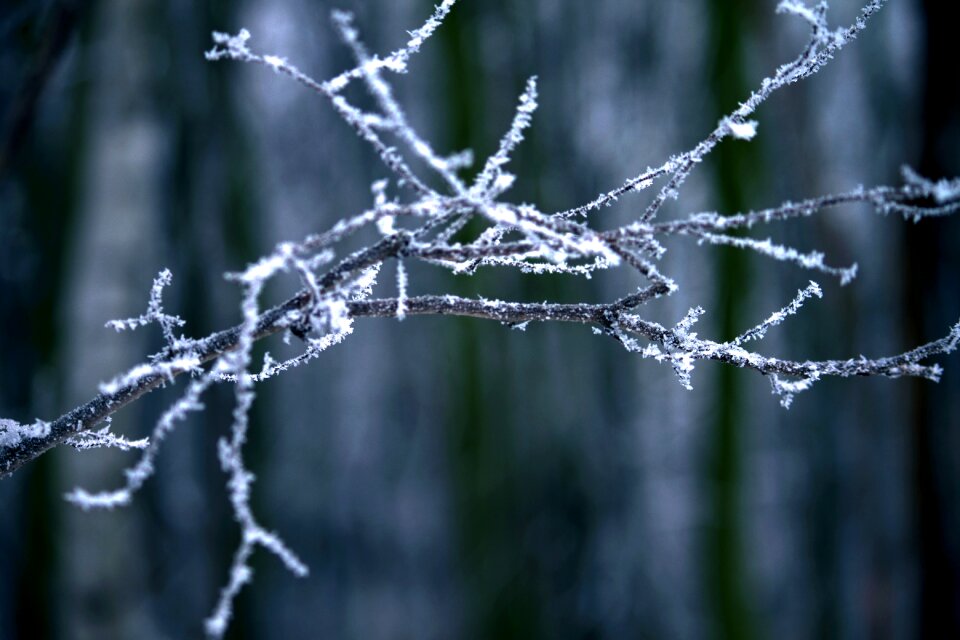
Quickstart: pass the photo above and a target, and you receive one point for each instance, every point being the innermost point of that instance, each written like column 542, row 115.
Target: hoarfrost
column 421, row 222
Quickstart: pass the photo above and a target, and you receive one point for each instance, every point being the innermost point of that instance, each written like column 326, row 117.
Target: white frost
column 742, row 130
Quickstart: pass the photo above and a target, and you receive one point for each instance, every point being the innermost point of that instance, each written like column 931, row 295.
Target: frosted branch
column 154, row 311
column 760, row 331
column 105, row 439
column 812, row 260
column 492, row 174
column 431, row 227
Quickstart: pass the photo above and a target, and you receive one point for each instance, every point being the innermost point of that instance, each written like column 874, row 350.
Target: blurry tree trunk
column 36, row 206
column 930, row 252
column 497, row 576
column 738, row 170
column 114, row 256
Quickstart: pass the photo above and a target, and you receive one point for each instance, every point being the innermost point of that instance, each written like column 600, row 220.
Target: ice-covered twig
column 392, row 111
column 154, row 311
column 492, row 175
column 812, row 260
column 136, row 475
column 396, row 61
column 230, row 451
column 906, row 200
column 760, row 331
column 637, row 183
column 105, row 439
column 820, row 49
column 235, row 48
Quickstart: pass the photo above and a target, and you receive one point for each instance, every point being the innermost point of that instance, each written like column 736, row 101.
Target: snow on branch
column 420, row 224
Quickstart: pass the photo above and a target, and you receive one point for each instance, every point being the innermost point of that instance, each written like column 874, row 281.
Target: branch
column 89, row 415
column 426, row 228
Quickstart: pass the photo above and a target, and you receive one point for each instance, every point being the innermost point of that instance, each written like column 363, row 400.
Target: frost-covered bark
column 413, row 220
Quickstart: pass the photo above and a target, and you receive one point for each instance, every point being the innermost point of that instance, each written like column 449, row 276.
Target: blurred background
column 453, row 478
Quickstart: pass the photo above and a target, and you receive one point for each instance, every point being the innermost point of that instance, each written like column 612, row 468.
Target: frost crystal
column 744, row 130
column 12, row 433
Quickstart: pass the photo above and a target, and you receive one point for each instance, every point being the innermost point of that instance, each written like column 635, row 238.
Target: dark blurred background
column 450, row 478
